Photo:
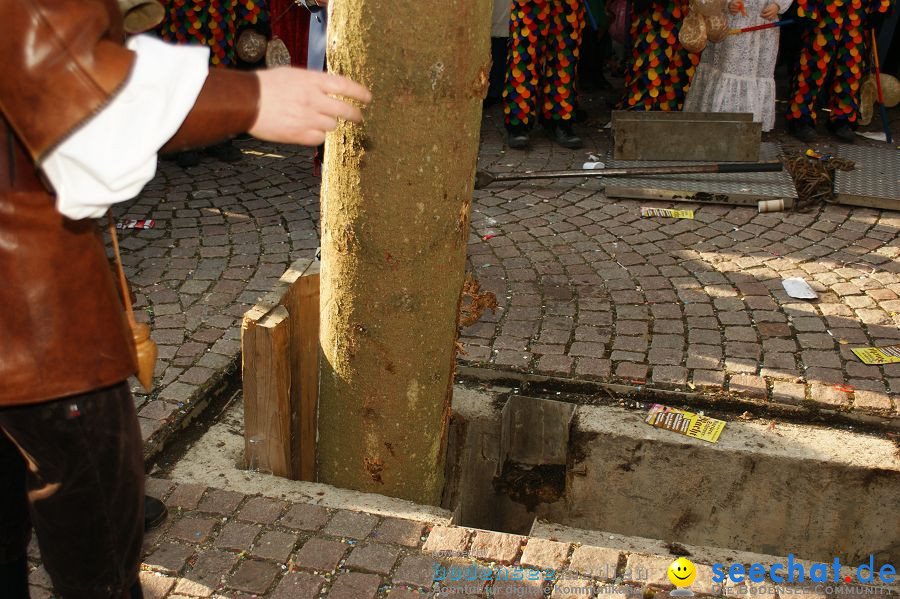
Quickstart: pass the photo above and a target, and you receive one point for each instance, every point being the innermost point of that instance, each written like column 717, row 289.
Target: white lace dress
column 737, row 74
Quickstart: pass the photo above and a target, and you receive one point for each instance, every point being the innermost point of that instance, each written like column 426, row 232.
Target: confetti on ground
column 798, row 288
column 889, row 354
column 669, row 212
column 136, row 224
column 685, row 423
column 488, row 236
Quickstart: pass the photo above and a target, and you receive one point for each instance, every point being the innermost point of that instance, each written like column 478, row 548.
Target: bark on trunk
column 395, row 217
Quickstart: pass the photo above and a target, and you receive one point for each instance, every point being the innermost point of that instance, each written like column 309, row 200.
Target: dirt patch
column 531, row 485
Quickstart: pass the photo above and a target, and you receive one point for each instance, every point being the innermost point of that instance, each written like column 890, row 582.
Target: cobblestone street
column 223, row 544
column 591, row 289
column 587, row 287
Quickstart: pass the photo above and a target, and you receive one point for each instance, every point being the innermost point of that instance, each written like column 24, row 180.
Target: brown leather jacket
column 62, row 328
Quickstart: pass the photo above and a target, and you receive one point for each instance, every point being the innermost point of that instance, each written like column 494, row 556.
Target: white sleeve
column 113, row 155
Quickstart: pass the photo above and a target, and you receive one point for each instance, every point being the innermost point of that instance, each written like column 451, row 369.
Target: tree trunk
column 395, row 221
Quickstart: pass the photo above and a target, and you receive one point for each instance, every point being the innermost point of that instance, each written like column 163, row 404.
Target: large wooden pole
column 395, row 220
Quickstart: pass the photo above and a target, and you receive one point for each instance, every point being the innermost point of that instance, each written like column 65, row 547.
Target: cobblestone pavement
column 592, row 290
column 219, row 543
column 223, row 235
column 587, row 288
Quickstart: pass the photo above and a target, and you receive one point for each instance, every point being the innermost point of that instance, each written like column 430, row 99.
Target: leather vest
column 62, row 326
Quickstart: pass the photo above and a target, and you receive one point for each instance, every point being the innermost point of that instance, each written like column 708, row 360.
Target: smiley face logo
column 682, row 572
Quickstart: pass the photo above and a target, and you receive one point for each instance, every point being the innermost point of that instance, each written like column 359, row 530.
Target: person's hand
column 298, row 106
column 769, row 12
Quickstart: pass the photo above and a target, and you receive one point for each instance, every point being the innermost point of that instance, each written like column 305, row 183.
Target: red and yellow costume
column 659, row 70
column 213, row 23
column 833, row 56
column 542, row 60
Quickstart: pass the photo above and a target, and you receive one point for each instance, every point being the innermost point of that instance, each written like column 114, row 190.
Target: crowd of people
column 85, row 114
column 537, row 47
column 734, row 74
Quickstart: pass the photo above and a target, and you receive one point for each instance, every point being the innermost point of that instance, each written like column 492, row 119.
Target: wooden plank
column 265, row 366
column 701, row 140
column 656, row 115
column 297, row 292
column 692, row 197
column 302, row 303
column 275, row 297
column 535, row 431
column 866, row 201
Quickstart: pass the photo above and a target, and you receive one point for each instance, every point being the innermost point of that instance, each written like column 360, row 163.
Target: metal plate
column 875, row 182
column 726, row 188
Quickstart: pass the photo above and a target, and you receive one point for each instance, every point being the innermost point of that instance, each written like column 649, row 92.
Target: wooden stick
column 884, row 118
column 781, row 23
column 123, row 282
column 484, row 178
column 266, row 373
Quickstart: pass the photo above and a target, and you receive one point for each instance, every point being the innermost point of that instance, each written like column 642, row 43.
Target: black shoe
column 14, row 579
column 517, row 139
column 187, row 159
column 155, row 512
column 225, row 151
column 842, row 130
column 561, row 132
column 803, row 131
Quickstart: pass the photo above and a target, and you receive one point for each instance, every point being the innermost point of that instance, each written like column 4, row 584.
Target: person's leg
column 816, row 52
column 498, row 70
column 659, row 69
column 682, row 64
column 527, row 30
column 85, row 484
column 843, row 101
column 15, row 525
column 560, row 71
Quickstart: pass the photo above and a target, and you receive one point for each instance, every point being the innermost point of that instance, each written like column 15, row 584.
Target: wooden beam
column 302, row 302
column 535, row 431
column 711, row 137
column 265, row 365
column 651, row 115
column 296, row 297
column 619, row 189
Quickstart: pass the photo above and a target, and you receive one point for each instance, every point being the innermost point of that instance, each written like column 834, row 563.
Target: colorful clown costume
column 833, row 57
column 542, row 61
column 659, row 70
column 213, row 23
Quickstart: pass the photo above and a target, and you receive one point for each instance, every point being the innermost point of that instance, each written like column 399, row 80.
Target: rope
column 814, row 178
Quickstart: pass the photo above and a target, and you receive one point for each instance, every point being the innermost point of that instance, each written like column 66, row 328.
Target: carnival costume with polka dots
column 542, row 60
column 659, row 69
column 213, row 23
column 833, row 56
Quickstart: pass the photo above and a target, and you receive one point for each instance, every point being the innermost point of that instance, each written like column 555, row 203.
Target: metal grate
column 728, row 188
column 875, row 182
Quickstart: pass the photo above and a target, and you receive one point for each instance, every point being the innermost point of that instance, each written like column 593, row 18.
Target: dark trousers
column 73, row 469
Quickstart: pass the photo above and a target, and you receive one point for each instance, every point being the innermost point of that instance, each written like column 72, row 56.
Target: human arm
column 737, row 6
column 93, row 114
column 770, row 11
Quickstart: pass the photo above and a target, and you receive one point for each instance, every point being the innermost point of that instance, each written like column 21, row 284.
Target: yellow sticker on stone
column 888, row 354
column 670, row 212
column 685, row 423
